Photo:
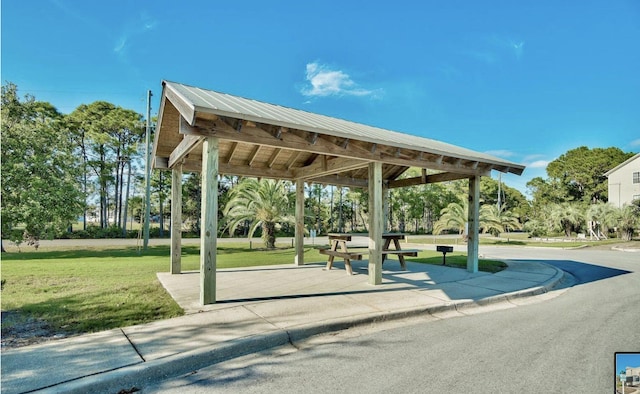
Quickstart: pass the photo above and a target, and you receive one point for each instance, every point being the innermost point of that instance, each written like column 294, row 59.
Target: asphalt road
column 554, row 345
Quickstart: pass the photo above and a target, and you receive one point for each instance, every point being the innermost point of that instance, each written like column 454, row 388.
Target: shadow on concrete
column 582, row 272
column 308, row 295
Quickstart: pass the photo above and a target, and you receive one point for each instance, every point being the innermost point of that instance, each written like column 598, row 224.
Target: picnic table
column 338, row 248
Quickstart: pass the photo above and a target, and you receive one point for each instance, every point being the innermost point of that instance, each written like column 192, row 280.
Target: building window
column 636, row 177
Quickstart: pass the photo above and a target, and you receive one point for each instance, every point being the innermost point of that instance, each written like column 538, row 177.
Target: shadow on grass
column 517, row 243
column 82, row 313
column 130, row 252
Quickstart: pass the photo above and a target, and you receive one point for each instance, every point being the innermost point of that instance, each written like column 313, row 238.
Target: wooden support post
column 376, row 219
column 176, row 219
column 209, row 221
column 386, row 195
column 299, row 259
column 474, row 224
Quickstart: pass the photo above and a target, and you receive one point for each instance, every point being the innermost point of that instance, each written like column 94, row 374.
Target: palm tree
column 497, row 220
column 453, row 216
column 605, row 216
column 263, row 203
column 566, row 217
column 629, row 220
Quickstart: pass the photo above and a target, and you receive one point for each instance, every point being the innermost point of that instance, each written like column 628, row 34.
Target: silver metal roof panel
column 222, row 104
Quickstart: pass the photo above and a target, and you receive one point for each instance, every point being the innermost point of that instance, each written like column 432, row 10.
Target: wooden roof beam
column 188, row 165
column 342, row 181
column 290, row 140
column 435, row 178
column 188, row 143
column 327, row 166
column 256, row 172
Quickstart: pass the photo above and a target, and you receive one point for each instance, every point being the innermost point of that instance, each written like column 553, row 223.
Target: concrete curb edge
column 184, row 363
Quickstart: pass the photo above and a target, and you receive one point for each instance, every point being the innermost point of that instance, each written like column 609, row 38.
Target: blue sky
column 523, row 80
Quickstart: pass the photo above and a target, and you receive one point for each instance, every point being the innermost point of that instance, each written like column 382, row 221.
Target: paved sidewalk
column 259, row 308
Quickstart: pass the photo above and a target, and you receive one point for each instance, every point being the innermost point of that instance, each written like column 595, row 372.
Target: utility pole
column 499, row 192
column 147, row 175
column 126, row 200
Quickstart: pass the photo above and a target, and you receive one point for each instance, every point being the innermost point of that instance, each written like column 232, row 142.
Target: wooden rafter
column 253, row 155
column 292, row 160
column 435, row 178
column 188, row 143
column 232, row 151
column 273, row 157
column 313, row 157
column 326, row 166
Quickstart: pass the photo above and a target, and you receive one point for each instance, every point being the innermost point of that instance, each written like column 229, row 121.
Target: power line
column 119, row 93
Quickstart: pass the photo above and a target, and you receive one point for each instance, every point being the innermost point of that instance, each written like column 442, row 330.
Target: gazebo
column 216, row 133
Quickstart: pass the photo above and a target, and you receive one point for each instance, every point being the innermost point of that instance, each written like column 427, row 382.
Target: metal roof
column 208, row 101
column 266, row 140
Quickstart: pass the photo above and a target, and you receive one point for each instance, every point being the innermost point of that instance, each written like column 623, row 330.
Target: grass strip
column 457, row 260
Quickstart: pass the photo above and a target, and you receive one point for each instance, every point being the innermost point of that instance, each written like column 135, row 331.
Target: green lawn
column 87, row 290
column 458, row 260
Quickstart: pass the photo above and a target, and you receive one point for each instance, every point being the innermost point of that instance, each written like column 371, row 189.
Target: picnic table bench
column 338, row 248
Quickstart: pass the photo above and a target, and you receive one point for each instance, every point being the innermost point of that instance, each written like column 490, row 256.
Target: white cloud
column 495, row 49
column 530, row 158
column 133, row 29
column 518, row 48
column 635, row 142
column 120, row 44
column 539, row 164
column 326, row 82
column 500, row 153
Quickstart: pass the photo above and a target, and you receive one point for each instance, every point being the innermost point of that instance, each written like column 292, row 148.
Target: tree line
column 57, row 168
column 573, row 198
column 88, row 164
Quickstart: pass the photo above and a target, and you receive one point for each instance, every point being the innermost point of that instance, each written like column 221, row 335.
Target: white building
column 633, row 375
column 624, row 182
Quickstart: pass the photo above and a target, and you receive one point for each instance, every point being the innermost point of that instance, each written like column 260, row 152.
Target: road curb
column 179, row 364
column 141, row 374
column 628, row 250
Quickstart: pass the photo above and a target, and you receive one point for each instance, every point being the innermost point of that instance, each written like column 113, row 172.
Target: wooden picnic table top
column 393, row 235
column 347, row 237
column 339, row 236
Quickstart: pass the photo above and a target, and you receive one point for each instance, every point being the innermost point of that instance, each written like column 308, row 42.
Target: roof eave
column 511, row 167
